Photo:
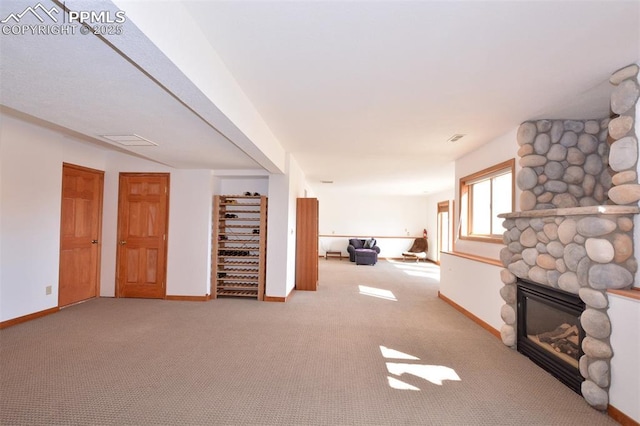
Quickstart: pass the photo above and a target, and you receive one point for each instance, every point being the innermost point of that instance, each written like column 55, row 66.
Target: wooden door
column 80, row 234
column 142, row 235
column 307, row 244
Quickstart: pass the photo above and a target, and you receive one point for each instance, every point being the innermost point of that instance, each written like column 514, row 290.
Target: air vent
column 326, row 181
column 456, row 137
column 130, row 140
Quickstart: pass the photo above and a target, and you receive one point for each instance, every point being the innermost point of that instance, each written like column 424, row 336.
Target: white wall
column 30, row 190
column 281, row 240
column 624, row 393
column 471, row 284
column 239, row 185
column 349, row 215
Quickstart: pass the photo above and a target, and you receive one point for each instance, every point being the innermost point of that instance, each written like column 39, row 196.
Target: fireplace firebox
column 549, row 330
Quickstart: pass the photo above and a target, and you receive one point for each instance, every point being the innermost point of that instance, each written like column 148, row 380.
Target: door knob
column 94, row 241
column 123, row 242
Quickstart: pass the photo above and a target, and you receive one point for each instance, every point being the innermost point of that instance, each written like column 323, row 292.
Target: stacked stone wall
column 564, row 164
column 574, row 231
column 583, row 255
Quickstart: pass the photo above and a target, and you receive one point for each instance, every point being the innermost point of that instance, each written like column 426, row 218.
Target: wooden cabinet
column 238, row 263
column 307, row 244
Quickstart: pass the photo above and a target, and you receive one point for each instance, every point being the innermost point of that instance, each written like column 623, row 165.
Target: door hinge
column 164, row 237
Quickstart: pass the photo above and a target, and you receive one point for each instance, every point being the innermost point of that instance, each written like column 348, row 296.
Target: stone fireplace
column 574, row 230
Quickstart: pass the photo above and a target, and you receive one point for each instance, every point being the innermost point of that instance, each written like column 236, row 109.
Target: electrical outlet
column 47, row 290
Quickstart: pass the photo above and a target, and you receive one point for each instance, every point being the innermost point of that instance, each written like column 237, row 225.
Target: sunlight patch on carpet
column 435, row 374
column 377, row 292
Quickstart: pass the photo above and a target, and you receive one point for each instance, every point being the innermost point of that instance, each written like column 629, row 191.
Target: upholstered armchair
column 360, row 244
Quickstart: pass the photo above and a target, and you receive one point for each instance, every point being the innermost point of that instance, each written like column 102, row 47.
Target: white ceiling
column 362, row 93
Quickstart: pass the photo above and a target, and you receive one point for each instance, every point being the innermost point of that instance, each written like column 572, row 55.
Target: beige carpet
column 373, row 346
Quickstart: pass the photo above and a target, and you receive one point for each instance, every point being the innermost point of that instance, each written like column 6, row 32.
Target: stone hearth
column 574, row 230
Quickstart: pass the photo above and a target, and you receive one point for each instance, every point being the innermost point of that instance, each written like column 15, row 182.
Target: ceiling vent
column 130, row 140
column 456, row 137
column 326, row 181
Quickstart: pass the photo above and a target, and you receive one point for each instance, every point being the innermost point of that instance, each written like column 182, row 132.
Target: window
column 483, row 196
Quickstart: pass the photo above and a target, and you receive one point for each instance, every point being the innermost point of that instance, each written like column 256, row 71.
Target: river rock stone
column 623, row 247
column 541, row 144
column 596, row 348
column 546, row 261
column 620, row 126
column 536, row 223
column 573, row 174
column 553, row 170
column 527, row 201
column 573, row 253
column 525, row 150
column 514, row 234
column 529, row 255
column 557, row 129
column 545, row 197
column 589, row 184
column 565, row 200
column 595, row 396
column 624, row 97
column 623, row 154
column 569, row 282
column 622, row 74
column 522, row 223
column 508, row 293
column 595, row 226
column 566, row 231
column 538, row 275
column 588, row 201
column 593, row 164
column 627, row 176
column 583, row 271
column 519, row 269
column 583, row 365
column 569, row 139
column 552, row 278
column 526, row 133
column 508, row 335
column 576, row 190
column 529, row 238
column 625, row 194
column 557, row 152
column 592, row 127
column 587, row 143
column 543, row 125
column 560, row 266
column 625, row 224
column 556, row 186
column 595, row 323
column 599, row 250
column 575, row 156
column 505, row 256
column 551, row 230
column 614, row 276
column 593, row 298
column 526, row 178
column 507, row 277
column 508, row 314
column 533, row 161
column 555, row 249
column 573, row 126
column 599, row 373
